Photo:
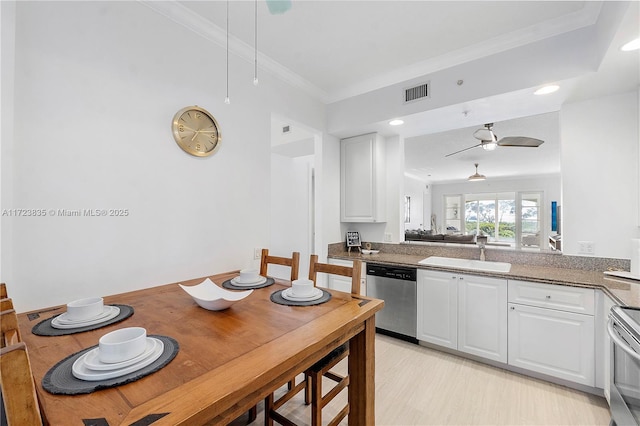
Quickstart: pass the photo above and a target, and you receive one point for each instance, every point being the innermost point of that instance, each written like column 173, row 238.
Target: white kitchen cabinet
column 603, row 342
column 558, row 342
column 482, row 317
column 362, row 179
column 463, row 312
column 341, row 283
column 438, row 308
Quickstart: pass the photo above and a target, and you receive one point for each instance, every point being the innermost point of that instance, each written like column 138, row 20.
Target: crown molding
column 184, row 16
column 588, row 15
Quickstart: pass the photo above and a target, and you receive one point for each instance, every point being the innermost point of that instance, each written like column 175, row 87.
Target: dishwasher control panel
column 395, row 272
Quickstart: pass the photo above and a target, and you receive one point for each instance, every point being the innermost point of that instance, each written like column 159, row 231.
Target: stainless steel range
column 624, row 329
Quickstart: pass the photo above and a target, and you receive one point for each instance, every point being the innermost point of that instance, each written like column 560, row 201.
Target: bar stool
column 313, row 376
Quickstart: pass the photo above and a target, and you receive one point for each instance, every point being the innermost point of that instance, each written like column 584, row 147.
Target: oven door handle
column 620, row 342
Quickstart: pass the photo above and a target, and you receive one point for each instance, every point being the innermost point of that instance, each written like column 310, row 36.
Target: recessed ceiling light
column 545, row 90
column 632, row 45
column 396, row 122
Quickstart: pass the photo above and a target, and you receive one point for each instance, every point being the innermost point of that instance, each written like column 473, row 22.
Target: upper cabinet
column 362, row 179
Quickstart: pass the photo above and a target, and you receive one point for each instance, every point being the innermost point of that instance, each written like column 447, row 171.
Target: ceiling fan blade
column 449, row 155
column 520, row 141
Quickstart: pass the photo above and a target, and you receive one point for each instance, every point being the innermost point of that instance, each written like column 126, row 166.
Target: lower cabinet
column 341, row 283
column 554, row 332
column 543, row 328
column 463, row 312
column 557, row 343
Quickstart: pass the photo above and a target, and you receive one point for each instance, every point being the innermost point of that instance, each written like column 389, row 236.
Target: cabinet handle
column 513, row 308
column 462, row 278
column 548, row 297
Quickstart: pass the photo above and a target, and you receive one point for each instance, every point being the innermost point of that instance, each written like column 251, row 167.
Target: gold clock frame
column 187, row 123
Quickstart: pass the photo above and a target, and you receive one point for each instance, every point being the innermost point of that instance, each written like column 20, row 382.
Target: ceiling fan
column 489, row 141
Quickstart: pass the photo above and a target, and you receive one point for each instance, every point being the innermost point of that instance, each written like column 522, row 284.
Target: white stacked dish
column 85, row 312
column 302, row 291
column 120, row 352
column 63, row 322
column 248, row 277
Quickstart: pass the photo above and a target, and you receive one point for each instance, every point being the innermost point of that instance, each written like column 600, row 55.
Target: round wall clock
column 196, row 131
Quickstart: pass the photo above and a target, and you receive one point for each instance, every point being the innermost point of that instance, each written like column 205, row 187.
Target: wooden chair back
column 6, row 304
column 9, row 331
column 354, row 272
column 293, row 262
column 3, row 291
column 18, row 388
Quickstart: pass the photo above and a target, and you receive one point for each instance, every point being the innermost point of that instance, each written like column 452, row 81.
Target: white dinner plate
column 235, row 281
column 112, row 312
column 288, row 295
column 82, row 372
column 63, row 319
column 92, row 358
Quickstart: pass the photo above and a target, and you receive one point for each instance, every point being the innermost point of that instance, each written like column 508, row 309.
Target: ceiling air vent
column 416, row 93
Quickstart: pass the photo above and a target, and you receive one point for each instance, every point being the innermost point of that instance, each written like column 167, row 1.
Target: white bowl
column 122, row 344
column 248, row 276
column 302, row 288
column 83, row 309
column 370, row 251
column 209, row 296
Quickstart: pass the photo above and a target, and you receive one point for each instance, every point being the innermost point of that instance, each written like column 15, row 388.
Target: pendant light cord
column 226, row 99
column 255, row 45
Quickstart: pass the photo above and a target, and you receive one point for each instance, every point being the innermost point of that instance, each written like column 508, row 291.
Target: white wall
column 416, row 190
column 549, row 184
column 96, row 87
column 600, row 174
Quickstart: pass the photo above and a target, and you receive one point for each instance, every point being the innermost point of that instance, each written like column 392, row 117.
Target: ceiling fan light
column 489, row 145
column 476, row 176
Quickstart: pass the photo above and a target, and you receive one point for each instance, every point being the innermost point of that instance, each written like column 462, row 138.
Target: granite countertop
column 622, row 291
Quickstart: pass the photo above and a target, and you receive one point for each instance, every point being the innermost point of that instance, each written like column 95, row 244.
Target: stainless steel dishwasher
column 396, row 285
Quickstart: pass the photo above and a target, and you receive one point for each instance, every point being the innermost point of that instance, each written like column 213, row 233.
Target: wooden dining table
column 228, row 360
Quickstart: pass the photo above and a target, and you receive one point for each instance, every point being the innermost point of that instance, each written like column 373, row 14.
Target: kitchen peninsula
column 550, row 268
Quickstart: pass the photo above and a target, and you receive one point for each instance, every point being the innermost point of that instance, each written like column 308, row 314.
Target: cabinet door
column 362, row 185
column 482, row 317
column 438, row 308
column 557, row 343
column 341, row 283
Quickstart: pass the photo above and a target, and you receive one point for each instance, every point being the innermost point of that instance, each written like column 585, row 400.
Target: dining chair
column 293, row 262
column 3, row 291
column 6, row 304
column 312, row 383
column 10, row 332
column 18, row 388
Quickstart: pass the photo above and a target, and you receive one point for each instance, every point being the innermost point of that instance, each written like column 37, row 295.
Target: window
column 407, row 209
column 508, row 218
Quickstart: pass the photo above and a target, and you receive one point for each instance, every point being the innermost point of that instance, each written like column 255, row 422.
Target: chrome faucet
column 481, row 241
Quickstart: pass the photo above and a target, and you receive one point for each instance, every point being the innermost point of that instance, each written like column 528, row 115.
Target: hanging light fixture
column 476, row 176
column 255, row 45
column 226, row 99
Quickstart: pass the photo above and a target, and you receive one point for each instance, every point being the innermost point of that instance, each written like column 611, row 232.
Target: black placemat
column 276, row 297
column 60, row 379
column 229, row 285
column 44, row 328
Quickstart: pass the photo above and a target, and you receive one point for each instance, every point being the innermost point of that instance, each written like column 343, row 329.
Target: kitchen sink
column 475, row 265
